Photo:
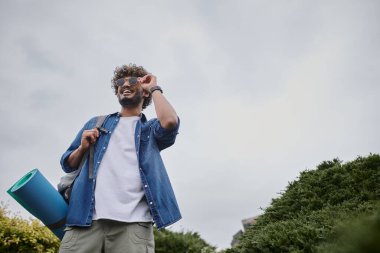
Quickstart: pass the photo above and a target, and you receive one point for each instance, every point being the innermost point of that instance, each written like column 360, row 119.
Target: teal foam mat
column 40, row 198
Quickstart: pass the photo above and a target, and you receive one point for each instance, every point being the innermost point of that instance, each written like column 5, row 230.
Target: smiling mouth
column 127, row 92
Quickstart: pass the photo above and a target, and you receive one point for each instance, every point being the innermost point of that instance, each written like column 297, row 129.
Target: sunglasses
column 130, row 80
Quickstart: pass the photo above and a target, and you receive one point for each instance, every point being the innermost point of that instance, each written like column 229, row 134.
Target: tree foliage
column 313, row 207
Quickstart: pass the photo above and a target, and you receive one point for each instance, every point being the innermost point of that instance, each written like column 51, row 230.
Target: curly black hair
column 130, row 70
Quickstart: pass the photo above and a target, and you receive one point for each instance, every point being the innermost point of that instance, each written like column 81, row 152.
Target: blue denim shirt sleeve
column 164, row 137
column 74, row 145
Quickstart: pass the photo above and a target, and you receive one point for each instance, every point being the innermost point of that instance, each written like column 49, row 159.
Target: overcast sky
column 264, row 90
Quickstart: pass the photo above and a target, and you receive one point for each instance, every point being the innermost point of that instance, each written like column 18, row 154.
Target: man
column 113, row 207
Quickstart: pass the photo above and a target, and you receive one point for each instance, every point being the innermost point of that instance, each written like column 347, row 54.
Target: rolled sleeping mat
column 42, row 200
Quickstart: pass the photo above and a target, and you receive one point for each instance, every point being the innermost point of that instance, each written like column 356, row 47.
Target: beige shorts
column 106, row 236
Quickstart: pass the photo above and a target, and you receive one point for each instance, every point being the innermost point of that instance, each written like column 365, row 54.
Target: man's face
column 130, row 95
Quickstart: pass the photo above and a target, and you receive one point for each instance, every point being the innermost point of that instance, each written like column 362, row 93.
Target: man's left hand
column 148, row 81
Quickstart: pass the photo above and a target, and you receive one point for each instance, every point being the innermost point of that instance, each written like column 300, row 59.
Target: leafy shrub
column 175, row 242
column 20, row 235
column 362, row 235
column 310, row 211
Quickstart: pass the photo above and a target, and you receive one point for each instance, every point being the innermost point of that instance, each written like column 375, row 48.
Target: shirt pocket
column 145, row 142
column 145, row 134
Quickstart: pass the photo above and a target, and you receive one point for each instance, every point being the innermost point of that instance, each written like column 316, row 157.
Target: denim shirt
column 150, row 139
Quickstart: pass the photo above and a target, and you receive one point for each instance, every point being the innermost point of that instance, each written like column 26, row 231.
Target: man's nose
column 126, row 83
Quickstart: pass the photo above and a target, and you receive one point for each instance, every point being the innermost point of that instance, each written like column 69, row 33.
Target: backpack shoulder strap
column 99, row 122
column 90, row 152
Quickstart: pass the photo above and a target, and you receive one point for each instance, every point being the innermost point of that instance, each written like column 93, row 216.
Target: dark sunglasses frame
column 131, row 81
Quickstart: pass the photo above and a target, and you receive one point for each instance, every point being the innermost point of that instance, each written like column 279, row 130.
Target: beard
column 132, row 102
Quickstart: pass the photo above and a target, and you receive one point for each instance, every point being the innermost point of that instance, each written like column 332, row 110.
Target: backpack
column 67, row 181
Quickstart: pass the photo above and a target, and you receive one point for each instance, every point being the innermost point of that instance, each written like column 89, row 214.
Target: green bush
column 19, row 235
column 178, row 242
column 29, row 236
column 362, row 235
column 311, row 210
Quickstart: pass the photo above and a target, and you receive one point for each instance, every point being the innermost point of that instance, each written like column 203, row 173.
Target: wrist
column 155, row 88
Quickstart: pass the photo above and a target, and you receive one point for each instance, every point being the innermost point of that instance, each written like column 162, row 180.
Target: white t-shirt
column 119, row 194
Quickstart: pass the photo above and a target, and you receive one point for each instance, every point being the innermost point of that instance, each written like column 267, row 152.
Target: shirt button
column 146, row 186
column 151, row 203
column 104, row 147
column 98, row 162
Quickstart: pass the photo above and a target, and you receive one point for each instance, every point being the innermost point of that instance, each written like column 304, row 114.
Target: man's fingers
column 94, row 135
column 147, row 78
column 91, row 135
column 93, row 138
column 142, row 79
column 96, row 131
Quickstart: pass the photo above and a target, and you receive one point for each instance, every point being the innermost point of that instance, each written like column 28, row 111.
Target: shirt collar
column 142, row 116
